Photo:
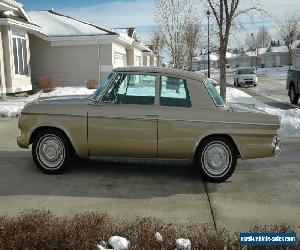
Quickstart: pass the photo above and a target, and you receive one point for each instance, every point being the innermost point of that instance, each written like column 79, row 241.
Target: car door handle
column 152, row 115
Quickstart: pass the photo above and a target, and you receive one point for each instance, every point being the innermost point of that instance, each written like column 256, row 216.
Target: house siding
column 69, row 65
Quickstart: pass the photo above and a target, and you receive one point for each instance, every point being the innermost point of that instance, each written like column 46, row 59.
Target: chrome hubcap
column 51, row 151
column 216, row 159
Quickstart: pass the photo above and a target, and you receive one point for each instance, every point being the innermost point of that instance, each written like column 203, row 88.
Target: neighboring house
column 201, row 62
column 73, row 51
column 146, row 58
column 15, row 26
column 275, row 57
column 296, row 61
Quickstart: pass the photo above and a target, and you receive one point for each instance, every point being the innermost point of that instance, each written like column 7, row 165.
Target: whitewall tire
column 216, row 159
column 51, row 151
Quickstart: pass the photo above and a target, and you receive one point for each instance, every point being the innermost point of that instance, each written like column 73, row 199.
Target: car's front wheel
column 51, row 151
column 216, row 159
column 294, row 97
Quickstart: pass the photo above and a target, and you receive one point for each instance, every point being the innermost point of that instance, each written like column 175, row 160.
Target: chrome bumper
column 277, row 147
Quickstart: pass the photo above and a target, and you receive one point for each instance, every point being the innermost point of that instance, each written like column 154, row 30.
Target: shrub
column 92, row 84
column 46, row 83
column 40, row 229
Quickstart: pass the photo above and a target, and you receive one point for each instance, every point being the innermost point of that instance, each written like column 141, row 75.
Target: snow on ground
column 290, row 119
column 279, row 72
column 183, row 244
column 13, row 106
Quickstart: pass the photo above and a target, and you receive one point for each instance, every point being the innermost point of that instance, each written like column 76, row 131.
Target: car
column 244, row 76
column 293, row 85
column 145, row 112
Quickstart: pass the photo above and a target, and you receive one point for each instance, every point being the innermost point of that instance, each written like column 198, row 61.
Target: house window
column 120, row 60
column 20, row 55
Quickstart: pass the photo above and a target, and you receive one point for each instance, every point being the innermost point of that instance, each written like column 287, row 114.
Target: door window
column 174, row 92
column 132, row 89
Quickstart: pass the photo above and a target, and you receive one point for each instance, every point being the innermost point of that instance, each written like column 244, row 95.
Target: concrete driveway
column 263, row 191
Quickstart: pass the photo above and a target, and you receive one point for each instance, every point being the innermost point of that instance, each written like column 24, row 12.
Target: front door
column 125, row 123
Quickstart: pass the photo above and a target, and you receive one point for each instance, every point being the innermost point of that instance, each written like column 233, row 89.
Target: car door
column 174, row 136
column 124, row 124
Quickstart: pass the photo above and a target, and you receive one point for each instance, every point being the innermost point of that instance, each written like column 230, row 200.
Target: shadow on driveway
column 99, row 178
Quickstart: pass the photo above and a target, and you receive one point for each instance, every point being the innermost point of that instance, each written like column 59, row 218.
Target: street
column 264, row 191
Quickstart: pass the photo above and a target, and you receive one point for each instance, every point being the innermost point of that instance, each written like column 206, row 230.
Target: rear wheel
column 294, row 97
column 51, row 151
column 237, row 83
column 216, row 159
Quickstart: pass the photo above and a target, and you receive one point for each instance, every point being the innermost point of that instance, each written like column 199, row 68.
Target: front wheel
column 216, row 159
column 51, row 151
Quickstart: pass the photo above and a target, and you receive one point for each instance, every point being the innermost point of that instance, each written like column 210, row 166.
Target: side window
column 132, row 89
column 174, row 92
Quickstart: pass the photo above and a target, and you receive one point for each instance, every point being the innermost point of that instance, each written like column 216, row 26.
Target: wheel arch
column 218, row 135
column 37, row 130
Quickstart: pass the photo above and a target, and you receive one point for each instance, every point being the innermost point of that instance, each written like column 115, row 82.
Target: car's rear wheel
column 51, row 151
column 216, row 159
column 237, row 83
column 294, row 97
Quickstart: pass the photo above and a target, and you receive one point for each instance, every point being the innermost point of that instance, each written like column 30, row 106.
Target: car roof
column 161, row 70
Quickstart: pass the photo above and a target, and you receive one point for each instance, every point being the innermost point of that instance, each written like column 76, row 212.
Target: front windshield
column 214, row 93
column 102, row 87
column 246, row 71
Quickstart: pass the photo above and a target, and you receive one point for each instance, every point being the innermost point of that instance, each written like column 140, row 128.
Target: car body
column 245, row 76
column 293, row 85
column 144, row 112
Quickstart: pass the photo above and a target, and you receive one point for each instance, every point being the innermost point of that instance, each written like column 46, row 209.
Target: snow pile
column 279, row 72
column 158, row 237
column 13, row 106
column 183, row 244
column 119, row 243
column 290, row 119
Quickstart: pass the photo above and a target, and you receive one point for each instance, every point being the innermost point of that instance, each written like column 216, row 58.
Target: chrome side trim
column 180, row 120
column 227, row 122
column 147, row 118
column 39, row 113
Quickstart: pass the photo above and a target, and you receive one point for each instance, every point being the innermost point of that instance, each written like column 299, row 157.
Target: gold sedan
column 147, row 113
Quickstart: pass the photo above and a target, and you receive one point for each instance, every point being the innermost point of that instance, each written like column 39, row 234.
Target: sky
column 139, row 14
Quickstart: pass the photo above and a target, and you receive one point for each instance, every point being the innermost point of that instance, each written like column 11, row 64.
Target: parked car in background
column 293, row 85
column 244, row 77
column 148, row 113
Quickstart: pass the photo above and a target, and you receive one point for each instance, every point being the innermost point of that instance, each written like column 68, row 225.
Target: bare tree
column 289, row 30
column 192, row 40
column 158, row 43
column 226, row 13
column 171, row 17
column 263, row 37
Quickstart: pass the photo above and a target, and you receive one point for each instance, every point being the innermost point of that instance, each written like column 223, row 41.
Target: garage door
column 138, row 61
column 120, row 60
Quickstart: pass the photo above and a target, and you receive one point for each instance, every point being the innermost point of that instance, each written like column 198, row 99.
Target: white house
column 15, row 27
column 73, row 51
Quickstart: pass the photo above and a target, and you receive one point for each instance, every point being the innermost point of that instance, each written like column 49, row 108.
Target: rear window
column 214, row 93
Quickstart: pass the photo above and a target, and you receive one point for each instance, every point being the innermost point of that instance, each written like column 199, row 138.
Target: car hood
column 57, row 105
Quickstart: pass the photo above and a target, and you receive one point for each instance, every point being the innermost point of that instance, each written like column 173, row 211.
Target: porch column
column 2, row 75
